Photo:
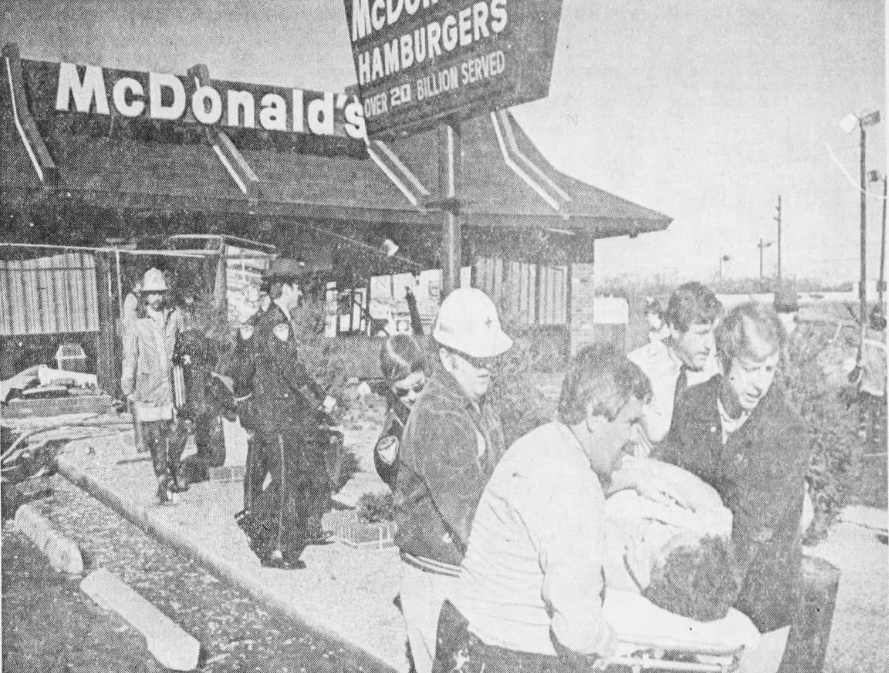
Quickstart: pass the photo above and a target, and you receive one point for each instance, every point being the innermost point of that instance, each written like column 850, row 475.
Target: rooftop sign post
column 423, row 64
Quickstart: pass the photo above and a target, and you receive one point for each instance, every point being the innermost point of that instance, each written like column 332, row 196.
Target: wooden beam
column 449, row 188
column 37, row 150
column 230, row 156
column 107, row 365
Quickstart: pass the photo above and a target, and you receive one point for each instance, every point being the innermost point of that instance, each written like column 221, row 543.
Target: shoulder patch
column 387, row 441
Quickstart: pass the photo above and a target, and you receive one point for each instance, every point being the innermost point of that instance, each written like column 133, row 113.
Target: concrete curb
column 153, row 525
column 169, row 643
column 61, row 551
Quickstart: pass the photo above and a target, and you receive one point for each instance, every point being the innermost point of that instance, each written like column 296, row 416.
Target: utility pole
column 778, row 220
column 723, row 258
column 882, row 286
column 862, row 283
column 848, row 124
column 449, row 203
column 762, row 245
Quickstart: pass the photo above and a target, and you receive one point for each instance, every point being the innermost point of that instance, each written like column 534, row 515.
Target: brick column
column 580, row 308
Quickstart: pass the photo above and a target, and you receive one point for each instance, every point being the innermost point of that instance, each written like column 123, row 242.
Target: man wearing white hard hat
column 451, row 444
column 146, row 379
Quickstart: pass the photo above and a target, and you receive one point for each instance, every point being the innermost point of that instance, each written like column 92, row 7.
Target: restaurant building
column 92, row 155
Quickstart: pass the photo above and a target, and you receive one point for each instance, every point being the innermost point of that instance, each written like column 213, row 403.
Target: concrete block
column 61, row 551
column 166, row 641
column 59, row 406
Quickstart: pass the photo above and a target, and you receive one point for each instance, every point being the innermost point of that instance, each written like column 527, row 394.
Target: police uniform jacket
column 393, row 428
column 246, row 352
column 285, row 395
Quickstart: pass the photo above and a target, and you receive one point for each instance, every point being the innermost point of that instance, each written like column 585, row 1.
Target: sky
column 705, row 110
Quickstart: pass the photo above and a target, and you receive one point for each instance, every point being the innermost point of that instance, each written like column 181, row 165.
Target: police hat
column 284, row 268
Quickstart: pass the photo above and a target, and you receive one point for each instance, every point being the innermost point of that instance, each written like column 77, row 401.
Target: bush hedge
column 831, row 413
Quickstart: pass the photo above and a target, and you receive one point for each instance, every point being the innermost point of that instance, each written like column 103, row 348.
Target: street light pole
column 848, row 124
column 778, row 220
column 862, row 285
column 881, row 284
column 881, row 287
column 761, row 245
column 722, row 258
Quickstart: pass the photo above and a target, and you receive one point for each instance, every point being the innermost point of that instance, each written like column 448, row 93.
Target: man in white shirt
column 532, row 583
column 685, row 358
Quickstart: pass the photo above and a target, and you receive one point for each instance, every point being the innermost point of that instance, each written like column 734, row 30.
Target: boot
column 164, row 493
column 179, row 480
column 276, row 560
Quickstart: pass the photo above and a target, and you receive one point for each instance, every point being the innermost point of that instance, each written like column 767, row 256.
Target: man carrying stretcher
column 530, row 594
column 545, row 543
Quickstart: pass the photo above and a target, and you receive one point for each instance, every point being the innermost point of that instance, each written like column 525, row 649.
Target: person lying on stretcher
column 670, row 572
column 530, row 591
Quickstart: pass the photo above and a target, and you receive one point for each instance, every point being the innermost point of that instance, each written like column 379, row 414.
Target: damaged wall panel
column 48, row 295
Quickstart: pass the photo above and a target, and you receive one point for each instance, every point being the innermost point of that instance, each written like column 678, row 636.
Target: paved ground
column 343, row 591
column 859, row 639
column 237, row 633
column 37, row 601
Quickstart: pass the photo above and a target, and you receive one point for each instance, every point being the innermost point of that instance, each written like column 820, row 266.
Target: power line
column 851, row 180
column 361, row 244
column 84, row 248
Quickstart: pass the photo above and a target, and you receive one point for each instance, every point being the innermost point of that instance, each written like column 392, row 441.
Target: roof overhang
column 134, row 164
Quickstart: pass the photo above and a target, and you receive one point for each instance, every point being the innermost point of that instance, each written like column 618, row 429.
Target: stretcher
column 651, row 638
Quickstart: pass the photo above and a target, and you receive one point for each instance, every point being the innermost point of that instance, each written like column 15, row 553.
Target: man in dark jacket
column 258, row 361
column 451, row 444
column 738, row 433
column 287, row 400
column 243, row 369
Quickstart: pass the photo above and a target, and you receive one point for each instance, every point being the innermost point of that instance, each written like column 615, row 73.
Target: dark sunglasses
column 416, row 388
column 477, row 363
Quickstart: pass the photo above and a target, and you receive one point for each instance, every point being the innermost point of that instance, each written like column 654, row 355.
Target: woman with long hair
column 404, row 369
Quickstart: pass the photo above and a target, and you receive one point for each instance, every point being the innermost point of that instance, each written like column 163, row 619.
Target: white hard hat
column 153, row 281
column 468, row 322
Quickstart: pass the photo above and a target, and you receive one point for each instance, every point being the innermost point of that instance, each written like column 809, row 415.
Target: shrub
column 514, row 391
column 324, row 357
column 376, row 507
column 831, row 416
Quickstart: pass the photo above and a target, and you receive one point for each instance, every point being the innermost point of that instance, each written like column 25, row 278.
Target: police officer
column 281, row 404
column 243, row 370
